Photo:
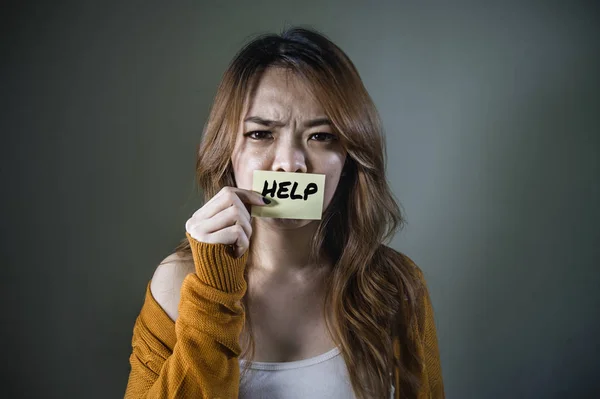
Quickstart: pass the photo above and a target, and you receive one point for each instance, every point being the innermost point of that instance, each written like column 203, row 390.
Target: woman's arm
column 199, row 356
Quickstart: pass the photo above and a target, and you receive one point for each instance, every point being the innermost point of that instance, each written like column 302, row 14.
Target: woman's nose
column 290, row 157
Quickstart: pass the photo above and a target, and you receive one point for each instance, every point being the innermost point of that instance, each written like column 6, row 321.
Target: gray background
column 492, row 120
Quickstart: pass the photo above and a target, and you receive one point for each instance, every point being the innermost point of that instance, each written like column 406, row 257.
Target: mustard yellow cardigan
column 197, row 356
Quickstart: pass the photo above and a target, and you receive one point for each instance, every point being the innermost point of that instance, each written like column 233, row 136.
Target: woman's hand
column 225, row 219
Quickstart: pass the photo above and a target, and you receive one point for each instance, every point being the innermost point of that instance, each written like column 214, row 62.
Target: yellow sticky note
column 292, row 195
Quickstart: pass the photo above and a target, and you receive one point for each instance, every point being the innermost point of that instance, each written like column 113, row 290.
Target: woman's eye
column 323, row 137
column 259, row 135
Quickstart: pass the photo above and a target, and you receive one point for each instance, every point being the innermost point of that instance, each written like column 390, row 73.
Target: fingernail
column 266, row 200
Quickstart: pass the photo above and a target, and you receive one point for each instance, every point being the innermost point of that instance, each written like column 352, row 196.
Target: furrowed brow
column 262, row 121
column 272, row 123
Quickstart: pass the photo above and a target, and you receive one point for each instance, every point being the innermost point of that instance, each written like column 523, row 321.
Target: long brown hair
column 371, row 289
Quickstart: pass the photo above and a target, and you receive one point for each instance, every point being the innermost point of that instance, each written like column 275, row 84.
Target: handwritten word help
column 281, row 190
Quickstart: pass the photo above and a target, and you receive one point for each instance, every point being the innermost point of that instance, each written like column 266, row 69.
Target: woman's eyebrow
column 272, row 123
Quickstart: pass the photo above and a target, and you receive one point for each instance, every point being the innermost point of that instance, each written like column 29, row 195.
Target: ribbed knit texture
column 216, row 267
column 197, row 356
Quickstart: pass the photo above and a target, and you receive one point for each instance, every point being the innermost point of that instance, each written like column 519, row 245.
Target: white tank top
column 319, row 377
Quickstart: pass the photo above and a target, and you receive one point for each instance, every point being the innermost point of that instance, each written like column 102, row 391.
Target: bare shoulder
column 167, row 280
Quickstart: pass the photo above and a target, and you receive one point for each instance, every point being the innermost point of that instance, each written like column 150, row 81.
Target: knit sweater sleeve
column 431, row 355
column 197, row 356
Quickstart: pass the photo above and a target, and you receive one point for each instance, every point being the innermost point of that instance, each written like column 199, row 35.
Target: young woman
column 282, row 308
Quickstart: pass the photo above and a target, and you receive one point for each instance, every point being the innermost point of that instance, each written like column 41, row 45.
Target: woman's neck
column 283, row 250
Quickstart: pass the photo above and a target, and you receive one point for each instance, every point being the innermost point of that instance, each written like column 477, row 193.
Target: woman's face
column 298, row 139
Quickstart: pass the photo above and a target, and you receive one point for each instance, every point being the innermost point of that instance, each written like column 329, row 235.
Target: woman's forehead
column 278, row 94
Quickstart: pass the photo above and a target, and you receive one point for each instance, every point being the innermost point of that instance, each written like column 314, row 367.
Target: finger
column 229, row 217
column 200, row 227
column 225, row 198
column 250, row 197
column 239, row 251
column 242, row 246
column 232, row 235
